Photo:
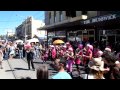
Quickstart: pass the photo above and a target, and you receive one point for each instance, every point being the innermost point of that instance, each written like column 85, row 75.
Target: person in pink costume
column 54, row 53
column 95, row 50
column 78, row 53
column 63, row 53
column 68, row 45
column 78, row 57
column 46, row 56
column 70, row 59
column 87, row 54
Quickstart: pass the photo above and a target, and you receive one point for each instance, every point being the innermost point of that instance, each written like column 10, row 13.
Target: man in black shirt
column 30, row 57
column 20, row 48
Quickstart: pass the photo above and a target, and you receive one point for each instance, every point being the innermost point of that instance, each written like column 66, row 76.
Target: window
column 118, row 31
column 79, row 33
column 50, row 17
column 54, row 16
column 72, row 34
column 91, row 32
column 61, row 16
column 84, row 12
column 71, row 13
column 29, row 29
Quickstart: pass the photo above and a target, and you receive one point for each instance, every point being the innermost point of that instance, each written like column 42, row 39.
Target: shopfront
column 110, row 36
column 107, row 27
column 54, row 35
column 82, row 35
column 50, row 36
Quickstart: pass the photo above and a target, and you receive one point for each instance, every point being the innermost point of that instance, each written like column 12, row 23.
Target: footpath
column 6, row 72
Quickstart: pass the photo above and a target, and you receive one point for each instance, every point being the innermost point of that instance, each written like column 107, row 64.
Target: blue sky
column 11, row 19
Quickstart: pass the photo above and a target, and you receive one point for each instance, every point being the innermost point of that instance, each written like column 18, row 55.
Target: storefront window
column 118, row 32
column 101, row 32
column 110, row 32
column 54, row 16
column 72, row 34
column 79, row 33
column 117, row 38
column 60, row 33
column 50, row 18
column 85, row 33
column 61, row 16
column 91, row 32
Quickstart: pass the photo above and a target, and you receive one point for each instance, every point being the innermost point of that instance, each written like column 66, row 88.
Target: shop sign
column 101, row 18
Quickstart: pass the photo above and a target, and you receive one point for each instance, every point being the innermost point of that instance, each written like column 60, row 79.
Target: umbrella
column 17, row 41
column 34, row 40
column 58, row 42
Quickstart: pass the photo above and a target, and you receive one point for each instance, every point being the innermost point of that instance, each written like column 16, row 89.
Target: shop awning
column 62, row 25
column 104, row 21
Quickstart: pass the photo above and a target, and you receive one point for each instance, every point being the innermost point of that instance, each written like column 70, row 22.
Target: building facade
column 74, row 26
column 10, row 35
column 59, row 23
column 29, row 28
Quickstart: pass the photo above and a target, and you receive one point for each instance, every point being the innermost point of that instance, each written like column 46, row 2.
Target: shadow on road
column 21, row 69
column 9, row 70
column 38, row 62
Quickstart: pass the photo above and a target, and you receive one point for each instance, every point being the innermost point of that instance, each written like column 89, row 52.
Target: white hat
column 67, row 43
column 90, row 46
column 70, row 49
column 65, row 46
column 99, row 53
column 108, row 49
column 96, row 64
column 66, row 51
column 52, row 46
column 117, row 62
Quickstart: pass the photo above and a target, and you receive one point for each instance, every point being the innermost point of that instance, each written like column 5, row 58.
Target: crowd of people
column 98, row 62
column 10, row 50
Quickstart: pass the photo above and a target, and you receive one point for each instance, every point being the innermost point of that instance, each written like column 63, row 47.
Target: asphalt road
column 52, row 71
column 19, row 68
